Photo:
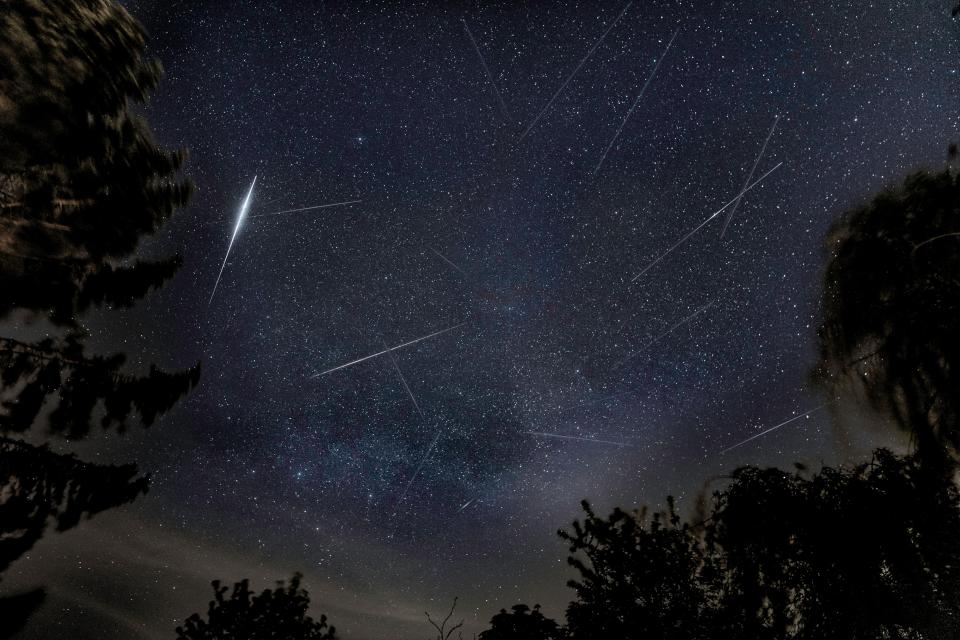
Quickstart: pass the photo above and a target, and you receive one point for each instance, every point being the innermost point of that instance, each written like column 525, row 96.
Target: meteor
column 503, row 106
column 388, row 350
column 244, row 208
column 635, row 103
column 702, row 224
column 403, row 380
column 445, row 259
column 570, row 77
column 557, row 435
column 417, row 472
column 319, row 206
column 466, row 504
column 766, row 431
column 750, row 176
column 663, row 335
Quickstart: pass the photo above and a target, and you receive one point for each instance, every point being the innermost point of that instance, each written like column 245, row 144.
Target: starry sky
column 438, row 469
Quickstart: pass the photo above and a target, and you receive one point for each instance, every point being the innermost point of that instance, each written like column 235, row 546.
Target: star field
column 268, row 468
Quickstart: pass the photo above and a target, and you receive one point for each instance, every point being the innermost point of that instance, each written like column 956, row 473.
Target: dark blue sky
column 265, row 470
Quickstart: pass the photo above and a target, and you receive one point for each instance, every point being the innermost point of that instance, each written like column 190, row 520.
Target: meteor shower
column 463, row 320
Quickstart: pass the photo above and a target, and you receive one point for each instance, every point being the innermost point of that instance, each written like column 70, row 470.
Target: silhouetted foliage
column 81, row 181
column 891, row 305
column 522, row 623
column 640, row 577
column 40, row 490
column 77, row 383
column 16, row 610
column 280, row 613
column 865, row 553
column 868, row 552
column 81, row 178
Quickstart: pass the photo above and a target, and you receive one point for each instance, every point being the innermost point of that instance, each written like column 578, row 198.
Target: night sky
column 394, row 492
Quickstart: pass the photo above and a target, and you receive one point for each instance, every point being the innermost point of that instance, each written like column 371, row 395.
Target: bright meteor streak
column 774, row 428
column 556, row 435
column 388, row 350
column 244, row 208
column 702, row 224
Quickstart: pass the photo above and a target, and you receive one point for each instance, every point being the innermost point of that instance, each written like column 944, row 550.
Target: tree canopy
column 82, row 181
column 866, row 552
column 280, row 614
column 40, row 490
column 522, row 623
column 81, row 178
column 890, row 305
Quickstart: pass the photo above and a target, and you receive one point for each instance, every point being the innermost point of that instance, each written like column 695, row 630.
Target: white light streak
column 236, row 229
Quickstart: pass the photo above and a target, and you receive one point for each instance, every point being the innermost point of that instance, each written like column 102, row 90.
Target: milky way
column 473, row 153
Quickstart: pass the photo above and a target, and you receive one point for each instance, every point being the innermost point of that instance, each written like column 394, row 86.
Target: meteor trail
column 388, row 350
column 663, row 335
column 279, row 213
column 467, row 504
column 503, row 106
column 444, row 258
column 570, row 77
column 766, row 431
column 702, row 224
column 750, row 176
column 236, row 229
column 319, row 206
column 417, row 472
column 556, row 435
column 635, row 103
column 402, row 379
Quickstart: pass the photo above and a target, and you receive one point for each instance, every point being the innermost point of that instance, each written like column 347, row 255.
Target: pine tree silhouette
column 81, row 182
column 40, row 490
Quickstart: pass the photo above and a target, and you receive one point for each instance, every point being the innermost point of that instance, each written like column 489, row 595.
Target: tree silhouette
column 81, row 182
column 444, row 633
column 868, row 552
column 77, row 383
column 890, row 306
column 81, row 179
column 280, row 613
column 640, row 577
column 39, row 490
column 522, row 623
column 865, row 553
